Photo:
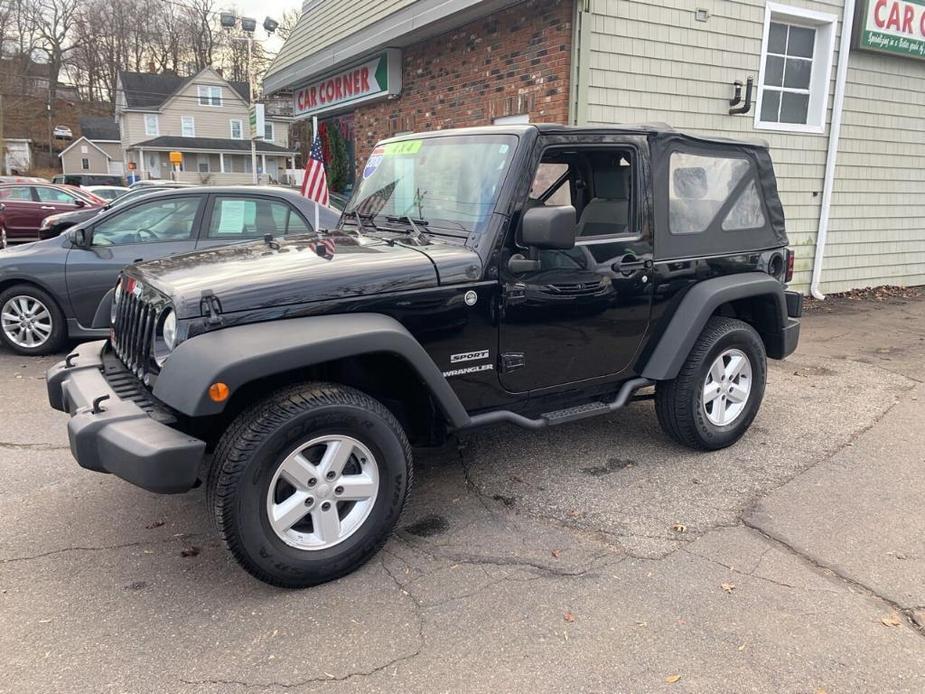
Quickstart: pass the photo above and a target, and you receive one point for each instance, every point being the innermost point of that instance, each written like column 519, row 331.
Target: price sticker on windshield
column 399, row 148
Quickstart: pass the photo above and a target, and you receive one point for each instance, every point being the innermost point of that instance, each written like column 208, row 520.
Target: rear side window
column 22, row 193
column 704, row 191
column 253, row 217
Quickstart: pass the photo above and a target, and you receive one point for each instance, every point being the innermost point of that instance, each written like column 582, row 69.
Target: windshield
column 451, row 182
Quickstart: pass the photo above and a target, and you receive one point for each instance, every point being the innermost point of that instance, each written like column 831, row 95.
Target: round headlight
column 169, row 330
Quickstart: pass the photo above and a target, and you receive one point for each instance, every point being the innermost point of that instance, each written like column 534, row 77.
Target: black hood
column 303, row 269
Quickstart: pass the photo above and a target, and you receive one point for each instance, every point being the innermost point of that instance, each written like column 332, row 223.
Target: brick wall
column 515, row 61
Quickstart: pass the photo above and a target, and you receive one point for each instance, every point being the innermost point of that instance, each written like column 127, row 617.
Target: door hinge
column 511, row 361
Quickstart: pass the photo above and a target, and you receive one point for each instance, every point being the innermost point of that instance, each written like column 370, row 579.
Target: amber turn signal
column 219, row 392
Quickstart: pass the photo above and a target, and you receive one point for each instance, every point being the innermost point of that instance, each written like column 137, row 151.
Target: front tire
column 716, row 395
column 30, row 321
column 307, row 484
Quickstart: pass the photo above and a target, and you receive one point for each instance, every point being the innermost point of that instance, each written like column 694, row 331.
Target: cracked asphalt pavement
column 593, row 557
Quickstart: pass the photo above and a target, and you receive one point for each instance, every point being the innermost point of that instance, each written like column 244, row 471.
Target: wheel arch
column 754, row 297
column 346, row 348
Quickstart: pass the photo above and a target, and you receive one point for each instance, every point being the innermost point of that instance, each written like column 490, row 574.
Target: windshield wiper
column 416, row 232
column 361, row 219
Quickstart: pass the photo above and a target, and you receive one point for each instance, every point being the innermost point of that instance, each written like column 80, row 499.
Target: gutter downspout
column 841, row 76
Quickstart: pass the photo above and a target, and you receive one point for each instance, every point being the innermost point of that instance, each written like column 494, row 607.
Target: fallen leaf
column 671, row 679
column 821, row 691
column 568, row 617
column 555, row 553
column 155, row 524
column 891, row 620
column 642, row 624
column 728, row 587
column 190, row 551
column 679, row 528
column 148, row 551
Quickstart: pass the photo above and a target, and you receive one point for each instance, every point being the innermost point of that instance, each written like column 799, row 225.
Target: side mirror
column 79, row 202
column 549, row 227
column 80, row 237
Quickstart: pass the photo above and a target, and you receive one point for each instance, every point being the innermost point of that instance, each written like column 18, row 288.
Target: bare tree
column 54, row 22
column 202, row 31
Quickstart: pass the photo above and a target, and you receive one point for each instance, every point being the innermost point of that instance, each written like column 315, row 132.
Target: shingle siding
column 650, row 60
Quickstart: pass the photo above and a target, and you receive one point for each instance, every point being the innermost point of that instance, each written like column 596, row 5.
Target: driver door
column 144, row 231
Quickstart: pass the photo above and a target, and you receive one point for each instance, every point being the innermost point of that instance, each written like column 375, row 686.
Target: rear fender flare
column 246, row 353
column 695, row 309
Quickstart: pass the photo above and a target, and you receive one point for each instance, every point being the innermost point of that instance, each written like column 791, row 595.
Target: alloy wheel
column 322, row 492
column 26, row 321
column 727, row 387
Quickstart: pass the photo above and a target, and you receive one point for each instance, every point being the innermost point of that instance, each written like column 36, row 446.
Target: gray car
column 62, row 287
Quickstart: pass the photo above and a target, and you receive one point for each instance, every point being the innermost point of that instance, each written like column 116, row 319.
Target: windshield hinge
column 211, row 307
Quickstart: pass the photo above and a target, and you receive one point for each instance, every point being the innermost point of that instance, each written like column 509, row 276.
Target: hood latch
column 211, row 307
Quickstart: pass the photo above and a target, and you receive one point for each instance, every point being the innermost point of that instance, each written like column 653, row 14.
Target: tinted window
column 169, row 219
column 252, row 217
column 16, row 193
column 54, row 195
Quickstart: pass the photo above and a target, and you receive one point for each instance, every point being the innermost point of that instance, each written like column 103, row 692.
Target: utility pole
column 3, row 171
column 253, row 107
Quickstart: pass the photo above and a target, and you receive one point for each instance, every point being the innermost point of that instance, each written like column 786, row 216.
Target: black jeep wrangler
column 533, row 275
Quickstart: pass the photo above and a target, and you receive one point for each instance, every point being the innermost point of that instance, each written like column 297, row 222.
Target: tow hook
column 69, row 359
column 96, row 409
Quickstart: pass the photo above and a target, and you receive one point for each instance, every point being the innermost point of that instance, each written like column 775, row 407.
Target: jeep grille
column 133, row 332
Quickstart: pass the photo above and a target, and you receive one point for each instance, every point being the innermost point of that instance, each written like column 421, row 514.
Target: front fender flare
column 695, row 310
column 242, row 354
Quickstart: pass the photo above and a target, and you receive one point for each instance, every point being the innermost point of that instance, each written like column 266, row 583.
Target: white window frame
column 825, row 25
column 85, row 164
column 192, row 122
column 203, row 159
column 157, row 126
column 240, row 128
column 211, row 94
column 272, row 128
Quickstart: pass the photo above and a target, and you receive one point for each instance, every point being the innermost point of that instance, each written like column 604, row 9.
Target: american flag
column 315, row 182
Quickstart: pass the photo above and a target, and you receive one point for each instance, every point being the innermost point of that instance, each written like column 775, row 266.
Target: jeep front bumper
column 115, row 435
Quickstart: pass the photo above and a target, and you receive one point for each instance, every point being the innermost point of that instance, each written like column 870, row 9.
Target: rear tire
column 716, row 395
column 307, row 484
column 30, row 321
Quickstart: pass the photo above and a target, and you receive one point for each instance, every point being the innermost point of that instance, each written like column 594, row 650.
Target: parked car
column 157, row 182
column 308, row 367
column 24, row 207
column 23, row 179
column 109, row 193
column 63, row 132
column 55, row 224
column 62, row 287
column 84, row 180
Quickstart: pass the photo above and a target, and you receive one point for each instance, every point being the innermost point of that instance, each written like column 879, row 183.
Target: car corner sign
column 892, row 26
column 377, row 78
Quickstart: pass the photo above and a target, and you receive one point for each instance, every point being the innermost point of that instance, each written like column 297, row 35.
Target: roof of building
column 209, row 143
column 150, row 90
column 99, row 128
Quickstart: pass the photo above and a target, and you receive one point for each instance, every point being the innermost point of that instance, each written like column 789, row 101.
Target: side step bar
column 571, row 414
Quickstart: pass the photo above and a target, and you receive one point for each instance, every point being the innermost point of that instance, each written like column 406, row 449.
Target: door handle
column 47, row 207
column 629, row 264
column 137, row 260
